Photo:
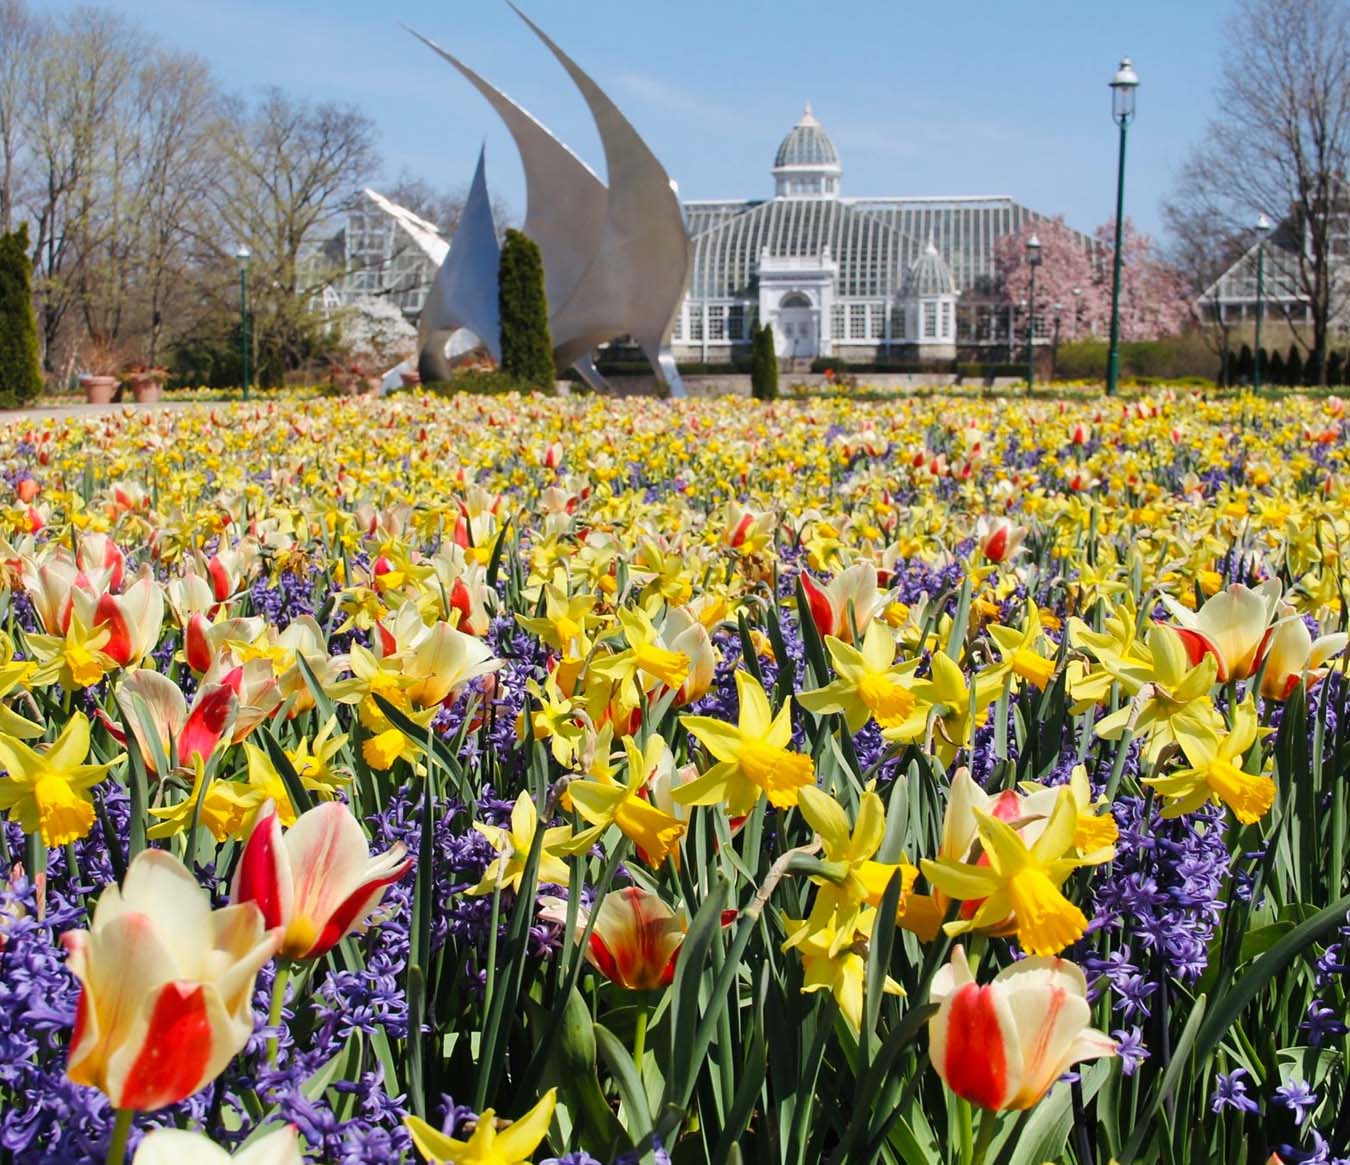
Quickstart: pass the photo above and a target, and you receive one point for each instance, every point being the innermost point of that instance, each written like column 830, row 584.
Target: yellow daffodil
column 753, row 757
column 1216, row 773
column 1021, row 882
column 488, row 1145
column 869, row 683
column 1174, row 704
column 606, row 802
column 858, row 880
column 1023, row 653
column 836, row 962
column 507, row 869
column 46, row 791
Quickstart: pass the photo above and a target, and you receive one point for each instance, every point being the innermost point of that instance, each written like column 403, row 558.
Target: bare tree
column 179, row 119
column 1201, row 250
column 20, row 38
column 441, row 207
column 292, row 165
column 81, row 75
column 1282, row 144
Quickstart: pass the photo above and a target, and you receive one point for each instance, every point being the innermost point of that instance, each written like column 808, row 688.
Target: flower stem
column 985, row 1137
column 274, row 1012
column 640, row 1035
column 117, row 1147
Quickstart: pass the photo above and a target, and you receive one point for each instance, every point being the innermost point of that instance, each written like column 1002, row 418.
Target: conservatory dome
column 929, row 275
column 807, row 164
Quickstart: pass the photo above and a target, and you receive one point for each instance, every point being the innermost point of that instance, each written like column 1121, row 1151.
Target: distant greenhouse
column 864, row 279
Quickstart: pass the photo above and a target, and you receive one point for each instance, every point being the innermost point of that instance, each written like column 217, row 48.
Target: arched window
column 795, row 299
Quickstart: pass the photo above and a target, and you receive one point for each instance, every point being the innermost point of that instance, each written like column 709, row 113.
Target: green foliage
column 475, row 383
column 1293, row 366
column 1166, row 358
column 764, row 365
column 1246, row 364
column 1274, row 371
column 1335, row 370
column 527, row 350
column 834, row 364
column 20, row 367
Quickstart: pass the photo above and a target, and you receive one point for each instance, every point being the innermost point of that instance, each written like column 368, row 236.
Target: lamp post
column 1033, row 261
column 1077, row 312
column 1262, row 230
column 243, row 255
column 1123, row 85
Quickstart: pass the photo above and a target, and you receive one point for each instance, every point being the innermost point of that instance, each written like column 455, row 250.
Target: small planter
column 411, row 377
column 146, row 389
column 99, row 390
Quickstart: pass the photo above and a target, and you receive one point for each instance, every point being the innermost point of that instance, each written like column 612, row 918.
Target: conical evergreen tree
column 764, row 365
column 1311, row 370
column 1275, row 372
column 1293, row 366
column 1246, row 364
column 527, row 350
column 20, row 367
column 1335, row 370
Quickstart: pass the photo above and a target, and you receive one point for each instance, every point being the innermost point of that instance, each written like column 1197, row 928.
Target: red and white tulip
column 166, row 985
column 1234, row 626
column 134, row 619
column 1002, row 1046
column 1294, row 653
column 317, row 880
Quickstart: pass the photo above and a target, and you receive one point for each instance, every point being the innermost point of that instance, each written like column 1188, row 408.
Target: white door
column 796, row 333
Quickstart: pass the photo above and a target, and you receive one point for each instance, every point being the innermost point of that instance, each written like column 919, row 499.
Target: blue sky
column 935, row 98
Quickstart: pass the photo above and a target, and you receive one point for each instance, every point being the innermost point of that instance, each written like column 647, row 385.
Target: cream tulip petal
column 158, row 886
column 179, row 1147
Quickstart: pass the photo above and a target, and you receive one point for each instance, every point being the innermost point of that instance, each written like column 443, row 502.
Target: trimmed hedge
column 20, row 365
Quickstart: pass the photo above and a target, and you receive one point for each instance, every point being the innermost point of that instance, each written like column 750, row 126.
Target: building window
column 837, row 321
column 717, row 322
column 930, row 320
column 946, row 319
column 695, row 323
column 898, row 315
column 878, row 321
column 857, row 321
column 678, row 330
column 736, row 322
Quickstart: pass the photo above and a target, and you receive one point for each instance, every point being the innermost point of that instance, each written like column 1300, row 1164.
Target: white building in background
column 865, row 279
column 380, row 251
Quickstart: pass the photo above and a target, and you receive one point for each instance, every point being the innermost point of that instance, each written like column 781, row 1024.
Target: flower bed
column 501, row 779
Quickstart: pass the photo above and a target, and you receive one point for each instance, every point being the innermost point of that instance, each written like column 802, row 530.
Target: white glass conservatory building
column 864, row 279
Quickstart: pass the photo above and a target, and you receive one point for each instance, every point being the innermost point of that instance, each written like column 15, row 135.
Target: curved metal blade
column 565, row 200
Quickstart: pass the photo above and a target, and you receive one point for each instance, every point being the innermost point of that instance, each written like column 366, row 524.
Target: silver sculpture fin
column 464, row 294
column 617, row 259
column 639, row 271
column 565, row 200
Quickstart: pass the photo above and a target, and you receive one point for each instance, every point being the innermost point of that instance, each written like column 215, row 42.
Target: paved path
column 65, row 412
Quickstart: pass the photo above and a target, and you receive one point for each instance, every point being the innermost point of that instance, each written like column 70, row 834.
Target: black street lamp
column 1033, row 261
column 1262, row 230
column 243, row 255
column 1123, row 85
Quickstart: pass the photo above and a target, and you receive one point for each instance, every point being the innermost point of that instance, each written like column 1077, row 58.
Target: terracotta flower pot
column 146, row 390
column 98, row 390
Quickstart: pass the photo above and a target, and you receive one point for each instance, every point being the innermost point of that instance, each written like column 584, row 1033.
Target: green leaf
column 1046, row 1129
column 1179, row 1065
column 299, row 796
column 628, row 1081
column 1264, row 972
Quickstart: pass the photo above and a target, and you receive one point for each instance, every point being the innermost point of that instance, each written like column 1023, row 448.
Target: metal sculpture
column 616, row 258
column 464, row 293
